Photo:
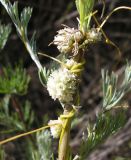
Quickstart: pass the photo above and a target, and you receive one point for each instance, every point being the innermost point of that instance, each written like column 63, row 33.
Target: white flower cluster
column 56, row 127
column 70, row 40
column 66, row 39
column 94, row 35
column 62, row 85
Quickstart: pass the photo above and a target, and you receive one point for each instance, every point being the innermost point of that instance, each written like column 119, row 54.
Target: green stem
column 64, row 143
column 64, row 148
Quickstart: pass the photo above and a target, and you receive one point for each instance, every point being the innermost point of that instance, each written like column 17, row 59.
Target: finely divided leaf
column 4, row 34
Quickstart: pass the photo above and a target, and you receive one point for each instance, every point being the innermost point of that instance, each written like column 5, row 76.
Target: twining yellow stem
column 103, row 9
column 55, row 59
column 103, row 23
column 64, row 142
column 64, row 148
column 116, row 9
column 108, row 41
column 25, row 134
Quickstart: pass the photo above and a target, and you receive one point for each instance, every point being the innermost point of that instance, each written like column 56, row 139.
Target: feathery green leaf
column 14, row 81
column 4, row 34
column 112, row 93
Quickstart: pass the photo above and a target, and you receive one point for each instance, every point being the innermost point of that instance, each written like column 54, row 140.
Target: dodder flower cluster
column 56, row 127
column 62, row 85
column 67, row 40
column 70, row 40
column 94, row 35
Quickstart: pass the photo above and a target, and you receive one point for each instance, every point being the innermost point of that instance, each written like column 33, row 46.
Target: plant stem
column 64, row 148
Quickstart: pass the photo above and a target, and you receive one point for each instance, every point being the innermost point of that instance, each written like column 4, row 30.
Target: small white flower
column 62, row 84
column 94, row 35
column 56, row 129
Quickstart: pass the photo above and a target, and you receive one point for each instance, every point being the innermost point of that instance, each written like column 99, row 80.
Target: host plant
column 62, row 80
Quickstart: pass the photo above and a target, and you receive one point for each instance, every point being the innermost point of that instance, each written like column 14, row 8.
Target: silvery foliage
column 44, row 143
column 112, row 93
column 4, row 33
column 21, row 22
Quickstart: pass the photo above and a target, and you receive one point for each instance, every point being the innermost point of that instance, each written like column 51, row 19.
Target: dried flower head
column 62, row 84
column 55, row 128
column 70, row 40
